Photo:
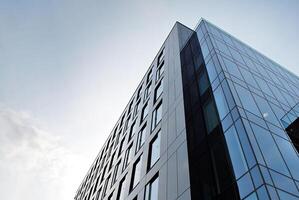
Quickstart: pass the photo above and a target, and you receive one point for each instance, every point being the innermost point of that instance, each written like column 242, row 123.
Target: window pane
column 121, row 189
column 203, row 82
column 221, row 102
column 269, row 149
column 157, row 115
column 136, row 172
column 152, row 189
column 158, row 90
column 235, row 152
column 210, row 116
column 247, row 100
column 154, row 150
column 284, row 182
column 245, row 185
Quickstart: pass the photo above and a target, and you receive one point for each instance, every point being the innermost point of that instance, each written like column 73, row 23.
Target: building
column 211, row 119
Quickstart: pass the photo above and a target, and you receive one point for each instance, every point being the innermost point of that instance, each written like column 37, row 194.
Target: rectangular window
column 139, row 92
column 144, row 112
column 98, row 194
column 130, row 107
column 152, row 189
column 136, row 173
column 132, row 130
column 154, row 151
column 157, row 115
column 115, row 173
column 160, row 71
column 105, row 186
column 158, row 90
column 210, row 114
column 121, row 189
column 160, row 57
column 149, row 75
column 128, row 157
column 121, row 146
column 127, row 123
column 122, row 120
column 141, row 138
column 147, row 90
column 136, row 109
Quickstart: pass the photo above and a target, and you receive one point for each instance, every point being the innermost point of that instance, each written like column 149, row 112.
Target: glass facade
column 256, row 100
column 211, row 119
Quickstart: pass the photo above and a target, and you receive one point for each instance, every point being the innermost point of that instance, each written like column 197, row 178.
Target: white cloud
column 34, row 164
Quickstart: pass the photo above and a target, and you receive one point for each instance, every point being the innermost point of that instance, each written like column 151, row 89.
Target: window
column 203, row 83
column 130, row 107
column 121, row 189
column 210, row 114
column 132, row 130
column 157, row 115
column 235, row 152
column 139, row 92
column 110, row 197
column 98, row 194
column 144, row 112
column 115, row 173
column 158, row 90
column 127, row 123
column 147, row 90
column 141, row 138
column 112, row 160
column 121, row 146
column 160, row 71
column 122, row 120
column 128, row 156
column 149, row 75
column 152, row 188
column 136, row 109
column 105, row 186
column 136, row 173
column 154, row 151
column 160, row 57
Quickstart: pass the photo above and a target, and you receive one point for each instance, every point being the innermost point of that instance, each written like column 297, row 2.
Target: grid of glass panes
column 110, row 168
column 252, row 94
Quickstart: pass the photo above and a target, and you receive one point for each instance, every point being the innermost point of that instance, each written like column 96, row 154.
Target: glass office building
column 211, row 119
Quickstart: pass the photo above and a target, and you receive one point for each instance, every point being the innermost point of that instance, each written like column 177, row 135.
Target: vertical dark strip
column 211, row 174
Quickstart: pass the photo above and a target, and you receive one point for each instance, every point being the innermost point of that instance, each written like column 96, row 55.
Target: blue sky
column 68, row 68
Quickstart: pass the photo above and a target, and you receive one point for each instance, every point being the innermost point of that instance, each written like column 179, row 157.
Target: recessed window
column 147, row 90
column 136, row 109
column 141, row 138
column 121, row 146
column 158, row 90
column 128, row 156
column 144, row 112
column 136, row 173
column 127, row 123
column 110, row 196
column 152, row 189
column 130, row 106
column 149, row 75
column 139, row 92
column 105, row 186
column 121, row 189
column 99, row 194
column 160, row 57
column 160, row 71
column 157, row 115
column 154, row 151
column 132, row 130
column 115, row 173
